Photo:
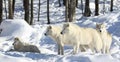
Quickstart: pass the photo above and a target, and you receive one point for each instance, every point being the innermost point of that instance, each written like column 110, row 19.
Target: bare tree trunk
column 31, row 22
column 72, row 10
column 66, row 11
column 1, row 7
column 104, row 6
column 48, row 12
column 13, row 6
column 96, row 7
column 77, row 3
column 5, row 9
column 10, row 9
column 111, row 6
column 39, row 11
column 59, row 3
column 26, row 8
column 82, row 6
column 64, row 2
column 87, row 11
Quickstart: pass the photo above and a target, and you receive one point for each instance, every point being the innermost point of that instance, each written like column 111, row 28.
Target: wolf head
column 17, row 43
column 65, row 28
column 48, row 31
column 101, row 27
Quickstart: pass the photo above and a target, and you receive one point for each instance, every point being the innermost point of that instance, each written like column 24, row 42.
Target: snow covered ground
column 35, row 35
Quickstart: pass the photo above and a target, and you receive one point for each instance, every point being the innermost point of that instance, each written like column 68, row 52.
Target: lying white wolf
column 106, row 37
column 24, row 47
column 82, row 36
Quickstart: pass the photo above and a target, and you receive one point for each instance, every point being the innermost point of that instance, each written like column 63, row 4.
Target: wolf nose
column 100, row 31
column 45, row 34
column 13, row 44
column 61, row 33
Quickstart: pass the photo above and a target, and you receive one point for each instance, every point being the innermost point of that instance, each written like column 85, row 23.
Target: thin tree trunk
column 103, row 6
column 96, row 7
column 87, row 11
column 48, row 12
column 1, row 7
column 64, row 2
column 66, row 11
column 31, row 22
column 26, row 8
column 59, row 3
column 82, row 6
column 111, row 6
column 72, row 10
column 69, row 10
column 13, row 6
column 5, row 9
column 77, row 3
column 10, row 9
column 39, row 11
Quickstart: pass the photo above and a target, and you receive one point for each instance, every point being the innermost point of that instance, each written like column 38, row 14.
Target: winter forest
column 59, row 30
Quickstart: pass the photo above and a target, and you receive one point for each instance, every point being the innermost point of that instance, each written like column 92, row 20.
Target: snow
column 34, row 34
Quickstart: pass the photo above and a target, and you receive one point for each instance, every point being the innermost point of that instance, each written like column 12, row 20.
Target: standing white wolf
column 106, row 37
column 83, row 36
column 54, row 33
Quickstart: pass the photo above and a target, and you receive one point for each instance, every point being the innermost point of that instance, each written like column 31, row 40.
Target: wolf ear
column 67, row 25
column 16, row 38
column 97, row 25
column 104, row 24
column 50, row 27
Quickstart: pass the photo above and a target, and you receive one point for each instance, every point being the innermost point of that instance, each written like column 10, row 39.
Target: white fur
column 54, row 33
column 82, row 36
column 106, row 37
column 24, row 47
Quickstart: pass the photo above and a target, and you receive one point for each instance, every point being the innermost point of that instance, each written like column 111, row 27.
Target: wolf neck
column 104, row 31
column 55, row 35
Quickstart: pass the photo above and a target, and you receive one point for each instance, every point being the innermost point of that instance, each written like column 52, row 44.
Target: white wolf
column 82, row 36
column 61, row 40
column 106, row 37
column 24, row 47
column 54, row 33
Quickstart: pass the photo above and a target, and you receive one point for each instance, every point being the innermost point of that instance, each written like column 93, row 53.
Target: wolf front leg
column 76, row 48
column 60, row 50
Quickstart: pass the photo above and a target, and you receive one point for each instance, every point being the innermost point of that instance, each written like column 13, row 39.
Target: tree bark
column 66, row 11
column 64, row 2
column 13, row 6
column 31, row 22
column 26, row 8
column 87, row 11
column 59, row 3
column 10, row 5
column 5, row 9
column 104, row 6
column 72, row 10
column 111, row 6
column 96, row 7
column 48, row 12
column 77, row 3
column 82, row 6
column 1, row 7
column 39, row 11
